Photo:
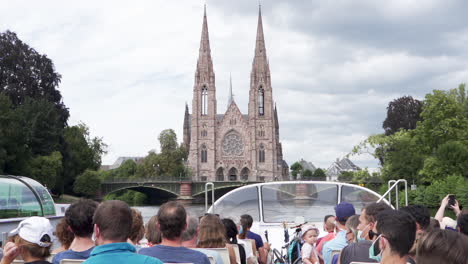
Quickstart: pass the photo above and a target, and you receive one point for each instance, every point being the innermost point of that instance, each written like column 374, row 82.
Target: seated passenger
column 262, row 248
column 212, row 234
column 231, row 237
column 138, row 229
column 64, row 235
column 112, row 225
column 172, row 221
column 152, row 233
column 442, row 246
column 190, row 238
column 343, row 211
column 462, row 224
column 329, row 228
column 357, row 250
column 79, row 218
column 423, row 218
column 396, row 232
column 32, row 240
column 309, row 253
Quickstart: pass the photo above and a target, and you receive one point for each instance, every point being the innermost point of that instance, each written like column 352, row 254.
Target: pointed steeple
column 204, row 64
column 260, row 42
column 231, row 95
column 186, row 129
column 260, row 62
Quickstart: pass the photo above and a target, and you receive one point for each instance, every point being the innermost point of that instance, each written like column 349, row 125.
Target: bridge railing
column 152, row 179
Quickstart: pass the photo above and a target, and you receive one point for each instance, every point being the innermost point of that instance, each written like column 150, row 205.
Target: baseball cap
column 307, row 228
column 35, row 229
column 344, row 210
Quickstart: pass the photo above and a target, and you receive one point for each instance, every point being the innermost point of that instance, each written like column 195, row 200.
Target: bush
column 87, row 183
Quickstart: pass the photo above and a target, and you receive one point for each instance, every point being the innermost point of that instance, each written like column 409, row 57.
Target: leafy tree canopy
column 402, row 113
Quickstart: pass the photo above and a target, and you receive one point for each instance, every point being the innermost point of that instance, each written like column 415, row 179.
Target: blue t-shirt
column 169, row 254
column 70, row 254
column 118, row 253
column 258, row 239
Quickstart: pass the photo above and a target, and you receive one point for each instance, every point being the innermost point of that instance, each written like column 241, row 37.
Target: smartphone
column 451, row 200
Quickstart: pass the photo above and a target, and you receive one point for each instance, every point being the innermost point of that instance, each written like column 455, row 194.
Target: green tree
column 319, row 175
column 436, row 148
column 168, row 141
column 14, row 151
column 307, row 175
column 81, row 153
column 402, row 113
column 24, row 73
column 346, row 176
column 46, row 169
column 296, row 168
column 87, row 183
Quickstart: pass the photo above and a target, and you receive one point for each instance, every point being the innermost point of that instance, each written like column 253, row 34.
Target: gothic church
column 233, row 146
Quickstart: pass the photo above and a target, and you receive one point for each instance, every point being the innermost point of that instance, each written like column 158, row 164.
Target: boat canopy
column 277, row 202
column 23, row 197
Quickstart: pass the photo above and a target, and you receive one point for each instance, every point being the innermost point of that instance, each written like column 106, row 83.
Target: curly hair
column 211, row 232
column 138, row 228
column 63, row 233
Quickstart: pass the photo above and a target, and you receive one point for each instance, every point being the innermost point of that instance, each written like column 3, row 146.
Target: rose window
column 232, row 145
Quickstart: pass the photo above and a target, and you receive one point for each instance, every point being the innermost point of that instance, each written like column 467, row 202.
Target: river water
column 148, row 211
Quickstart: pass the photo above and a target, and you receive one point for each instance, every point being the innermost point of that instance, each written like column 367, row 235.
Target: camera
column 451, row 200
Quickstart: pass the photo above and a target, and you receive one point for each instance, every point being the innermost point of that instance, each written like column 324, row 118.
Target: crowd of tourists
column 383, row 235
column 111, row 232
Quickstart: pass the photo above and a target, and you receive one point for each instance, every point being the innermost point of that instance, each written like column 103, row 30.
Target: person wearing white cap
column 308, row 252
column 32, row 240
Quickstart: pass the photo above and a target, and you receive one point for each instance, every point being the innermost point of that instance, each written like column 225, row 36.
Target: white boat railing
column 397, row 190
column 212, row 196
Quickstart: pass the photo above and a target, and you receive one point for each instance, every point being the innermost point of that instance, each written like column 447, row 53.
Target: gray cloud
column 128, row 68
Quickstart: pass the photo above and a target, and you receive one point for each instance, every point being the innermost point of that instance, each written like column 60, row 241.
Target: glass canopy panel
column 358, row 197
column 239, row 202
column 285, row 202
column 44, row 196
column 17, row 200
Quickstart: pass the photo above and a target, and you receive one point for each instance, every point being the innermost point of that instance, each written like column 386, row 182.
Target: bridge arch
column 156, row 195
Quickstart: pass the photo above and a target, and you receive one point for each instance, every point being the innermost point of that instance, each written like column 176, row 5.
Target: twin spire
column 205, row 63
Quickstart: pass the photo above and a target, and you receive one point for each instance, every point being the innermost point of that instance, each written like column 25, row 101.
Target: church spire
column 231, row 95
column 205, row 64
column 260, row 42
column 260, row 62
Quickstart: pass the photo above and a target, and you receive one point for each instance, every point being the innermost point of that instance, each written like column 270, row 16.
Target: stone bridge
column 163, row 189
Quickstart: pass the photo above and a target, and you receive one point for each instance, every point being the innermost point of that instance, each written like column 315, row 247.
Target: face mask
column 359, row 234
column 375, row 252
column 241, row 230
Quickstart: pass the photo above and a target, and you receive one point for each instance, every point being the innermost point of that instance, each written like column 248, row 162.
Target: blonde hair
column 211, row 232
column 34, row 250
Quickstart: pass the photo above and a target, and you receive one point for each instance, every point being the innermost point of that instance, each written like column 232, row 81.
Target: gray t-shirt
column 358, row 251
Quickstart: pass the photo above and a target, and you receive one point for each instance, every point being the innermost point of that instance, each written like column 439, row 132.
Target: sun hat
column 35, row 229
column 344, row 210
column 307, row 228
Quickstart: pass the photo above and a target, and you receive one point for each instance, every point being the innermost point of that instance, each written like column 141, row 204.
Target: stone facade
column 233, row 146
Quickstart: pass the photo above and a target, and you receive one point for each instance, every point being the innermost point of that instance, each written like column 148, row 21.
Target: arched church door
column 245, row 174
column 220, row 174
column 233, row 174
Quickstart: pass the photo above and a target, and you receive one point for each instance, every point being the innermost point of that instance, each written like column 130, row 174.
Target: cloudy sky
column 128, row 66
